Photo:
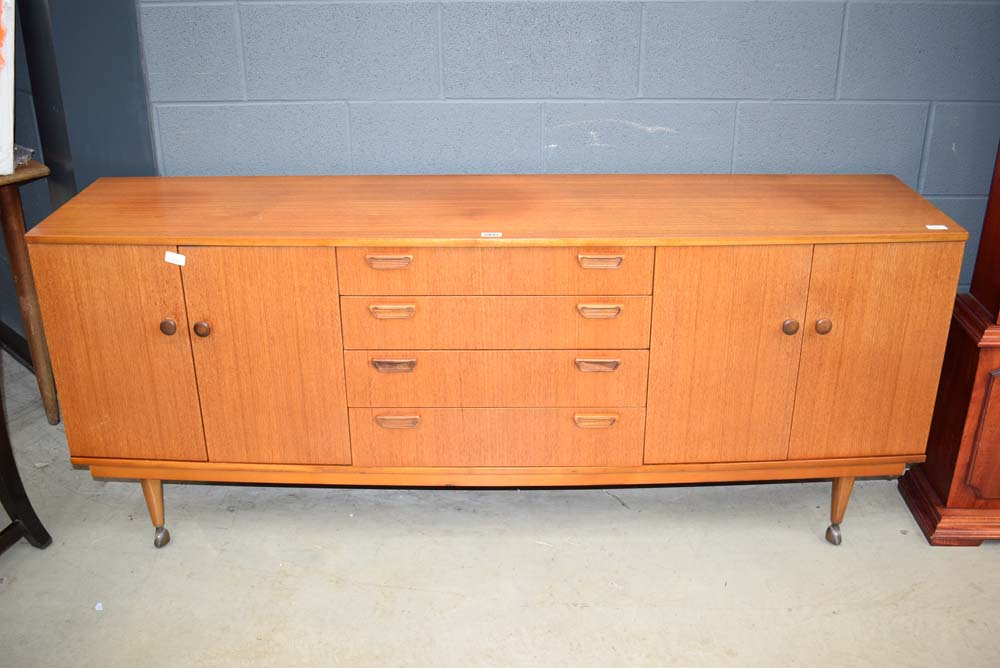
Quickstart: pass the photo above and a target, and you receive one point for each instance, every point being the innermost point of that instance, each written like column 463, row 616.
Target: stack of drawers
column 496, row 356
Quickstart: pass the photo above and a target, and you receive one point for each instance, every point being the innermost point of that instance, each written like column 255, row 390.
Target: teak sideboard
column 497, row 330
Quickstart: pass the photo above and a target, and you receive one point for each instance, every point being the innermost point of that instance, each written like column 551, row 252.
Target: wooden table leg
column 24, row 282
column 153, row 491
column 13, row 498
column 838, row 506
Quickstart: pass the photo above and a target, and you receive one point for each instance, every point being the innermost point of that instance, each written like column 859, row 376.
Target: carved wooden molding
column 977, row 320
column 984, row 416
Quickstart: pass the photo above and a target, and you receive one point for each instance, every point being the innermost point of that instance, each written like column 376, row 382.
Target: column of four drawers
column 496, row 356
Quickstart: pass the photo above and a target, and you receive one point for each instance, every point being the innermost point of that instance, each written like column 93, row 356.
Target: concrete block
column 922, row 51
column 253, row 139
column 541, row 49
column 829, row 137
column 741, row 49
column 341, row 51
column 191, row 52
column 962, row 149
column 445, row 137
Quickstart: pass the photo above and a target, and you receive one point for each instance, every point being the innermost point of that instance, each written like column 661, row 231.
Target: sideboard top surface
column 475, row 210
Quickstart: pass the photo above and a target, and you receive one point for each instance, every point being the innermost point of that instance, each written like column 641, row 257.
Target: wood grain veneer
column 867, row 387
column 497, row 323
column 271, row 372
column 722, row 372
column 497, row 378
column 497, row 437
column 548, row 210
column 496, row 271
column 127, row 390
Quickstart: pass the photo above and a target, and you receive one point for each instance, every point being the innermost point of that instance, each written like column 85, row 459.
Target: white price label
column 174, row 258
column 936, row 227
column 491, row 235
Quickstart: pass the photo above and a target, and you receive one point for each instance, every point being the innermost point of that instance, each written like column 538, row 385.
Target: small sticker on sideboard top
column 936, row 227
column 174, row 258
column 491, row 235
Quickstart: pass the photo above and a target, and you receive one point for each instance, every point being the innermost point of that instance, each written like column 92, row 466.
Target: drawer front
column 497, row 378
column 495, row 323
column 497, row 436
column 495, row 271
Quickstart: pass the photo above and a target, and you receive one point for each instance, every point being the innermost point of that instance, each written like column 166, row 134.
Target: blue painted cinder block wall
column 313, row 87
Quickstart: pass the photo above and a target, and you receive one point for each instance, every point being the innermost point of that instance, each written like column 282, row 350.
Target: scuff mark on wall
column 651, row 129
column 595, row 139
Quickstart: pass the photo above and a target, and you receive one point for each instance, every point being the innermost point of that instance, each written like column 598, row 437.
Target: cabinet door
column 722, row 372
column 867, row 387
column 127, row 389
column 271, row 368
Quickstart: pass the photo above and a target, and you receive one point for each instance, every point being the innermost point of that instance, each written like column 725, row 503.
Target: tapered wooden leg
column 153, row 491
column 838, row 505
column 24, row 283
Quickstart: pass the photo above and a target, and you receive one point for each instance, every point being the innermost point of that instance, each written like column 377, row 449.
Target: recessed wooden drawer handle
column 394, row 366
column 588, row 365
column 392, row 311
column 599, row 310
column 389, row 261
column 595, row 421
column 397, row 421
column 600, row 261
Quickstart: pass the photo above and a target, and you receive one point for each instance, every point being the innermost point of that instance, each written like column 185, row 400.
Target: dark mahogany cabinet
column 955, row 494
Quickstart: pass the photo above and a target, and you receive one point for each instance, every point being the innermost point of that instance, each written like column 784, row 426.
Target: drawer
column 497, row 378
column 495, row 323
column 497, row 436
column 495, row 271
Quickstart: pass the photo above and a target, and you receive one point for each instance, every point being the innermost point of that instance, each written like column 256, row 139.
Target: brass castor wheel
column 833, row 534
column 161, row 537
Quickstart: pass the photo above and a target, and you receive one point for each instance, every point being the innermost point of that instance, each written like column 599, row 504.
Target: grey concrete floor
column 672, row 576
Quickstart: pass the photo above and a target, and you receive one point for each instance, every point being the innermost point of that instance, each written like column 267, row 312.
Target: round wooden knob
column 202, row 328
column 824, row 325
column 168, row 326
column 790, row 327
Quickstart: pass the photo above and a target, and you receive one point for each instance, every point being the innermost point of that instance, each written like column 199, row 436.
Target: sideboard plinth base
column 842, row 472
column 530, row 476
